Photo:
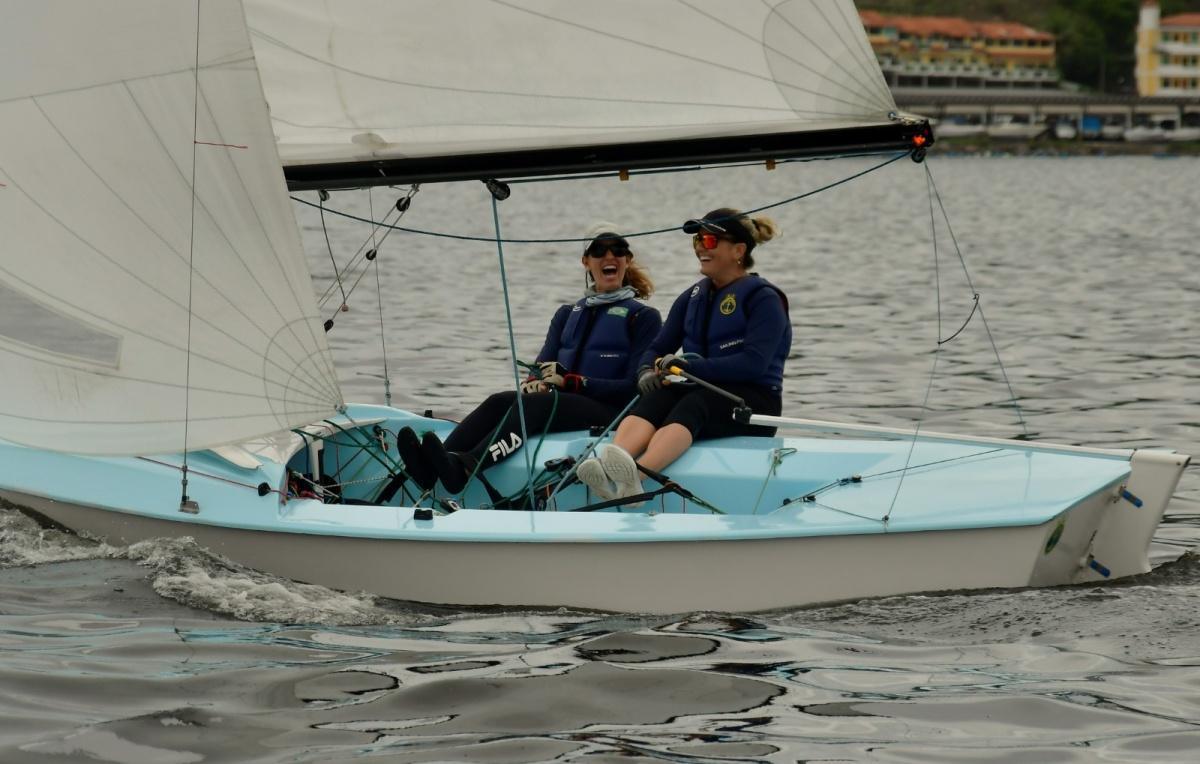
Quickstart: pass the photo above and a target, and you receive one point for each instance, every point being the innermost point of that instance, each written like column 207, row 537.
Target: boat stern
column 1121, row 544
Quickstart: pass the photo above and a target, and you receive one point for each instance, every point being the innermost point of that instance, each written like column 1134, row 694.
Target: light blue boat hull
column 962, row 515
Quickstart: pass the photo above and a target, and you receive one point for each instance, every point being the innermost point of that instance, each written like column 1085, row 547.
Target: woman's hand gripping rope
column 543, row 376
column 554, row 374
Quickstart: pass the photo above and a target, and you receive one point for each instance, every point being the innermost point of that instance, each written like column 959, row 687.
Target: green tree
column 1094, row 40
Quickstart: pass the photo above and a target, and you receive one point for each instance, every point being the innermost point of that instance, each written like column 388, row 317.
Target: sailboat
column 166, row 370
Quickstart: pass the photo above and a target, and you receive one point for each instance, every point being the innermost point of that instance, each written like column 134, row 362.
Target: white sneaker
column 623, row 471
column 591, row 473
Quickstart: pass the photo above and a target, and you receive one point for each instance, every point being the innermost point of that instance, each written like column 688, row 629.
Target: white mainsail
column 374, row 79
column 145, row 293
column 153, row 293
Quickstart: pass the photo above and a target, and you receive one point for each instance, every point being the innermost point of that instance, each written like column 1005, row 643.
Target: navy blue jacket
column 603, row 344
column 741, row 332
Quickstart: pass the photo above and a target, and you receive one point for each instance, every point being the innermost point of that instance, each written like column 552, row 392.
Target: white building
column 1167, row 53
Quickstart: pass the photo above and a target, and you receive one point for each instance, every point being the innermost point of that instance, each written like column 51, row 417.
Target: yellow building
column 937, row 51
column 1167, row 53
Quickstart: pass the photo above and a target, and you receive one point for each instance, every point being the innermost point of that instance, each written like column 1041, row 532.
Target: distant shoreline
column 1043, row 146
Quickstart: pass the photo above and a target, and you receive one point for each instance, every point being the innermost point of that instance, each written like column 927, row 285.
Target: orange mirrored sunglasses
column 708, row 240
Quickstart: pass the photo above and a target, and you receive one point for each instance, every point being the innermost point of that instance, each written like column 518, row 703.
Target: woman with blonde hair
column 731, row 328
column 587, row 372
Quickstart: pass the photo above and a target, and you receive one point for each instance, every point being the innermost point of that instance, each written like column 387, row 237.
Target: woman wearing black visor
column 587, row 372
column 731, row 329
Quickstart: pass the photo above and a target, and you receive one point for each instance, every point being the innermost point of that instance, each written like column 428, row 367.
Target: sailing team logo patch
column 619, row 311
column 728, row 305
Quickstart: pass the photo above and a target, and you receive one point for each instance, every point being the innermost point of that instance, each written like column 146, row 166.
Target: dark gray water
column 1087, row 271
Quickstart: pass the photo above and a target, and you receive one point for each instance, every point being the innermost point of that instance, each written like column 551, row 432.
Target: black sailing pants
column 474, row 434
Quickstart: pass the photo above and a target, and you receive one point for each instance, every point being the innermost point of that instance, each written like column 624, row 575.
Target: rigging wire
column 371, row 255
column 978, row 305
column 324, row 196
column 651, row 232
column 937, row 351
column 932, row 193
column 399, row 208
column 695, row 168
column 387, row 380
column 858, row 479
column 512, row 341
column 185, row 505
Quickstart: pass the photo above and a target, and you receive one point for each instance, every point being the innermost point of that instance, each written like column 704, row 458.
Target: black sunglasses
column 598, row 249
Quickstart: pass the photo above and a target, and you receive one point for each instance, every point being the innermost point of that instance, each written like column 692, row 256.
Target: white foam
column 24, row 542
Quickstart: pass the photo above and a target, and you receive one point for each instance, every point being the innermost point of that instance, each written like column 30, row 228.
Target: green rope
column 392, row 469
column 546, row 429
column 364, row 446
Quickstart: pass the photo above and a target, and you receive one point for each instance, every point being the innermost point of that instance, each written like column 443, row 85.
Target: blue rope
column 512, row 346
column 652, row 232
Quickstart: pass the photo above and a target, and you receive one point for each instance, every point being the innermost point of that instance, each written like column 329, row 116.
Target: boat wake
column 24, row 542
column 191, row 575
column 1138, row 615
column 182, row 571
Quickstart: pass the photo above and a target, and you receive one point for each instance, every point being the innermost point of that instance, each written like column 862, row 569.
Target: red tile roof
column 1007, row 30
column 872, row 18
column 1182, row 20
column 950, row 26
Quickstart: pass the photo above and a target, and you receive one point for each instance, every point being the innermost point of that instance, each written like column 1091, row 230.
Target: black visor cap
column 728, row 227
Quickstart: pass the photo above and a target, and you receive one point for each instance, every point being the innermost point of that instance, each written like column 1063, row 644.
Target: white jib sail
column 371, row 79
column 131, row 308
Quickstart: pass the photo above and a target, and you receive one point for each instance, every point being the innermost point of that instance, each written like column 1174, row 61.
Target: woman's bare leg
column 666, row 445
column 633, row 435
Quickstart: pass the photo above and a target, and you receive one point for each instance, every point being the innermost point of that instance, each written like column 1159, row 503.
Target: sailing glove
column 551, row 380
column 573, row 383
column 665, row 363
column 548, row 369
column 648, row 381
